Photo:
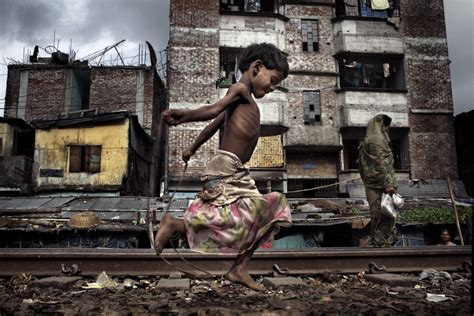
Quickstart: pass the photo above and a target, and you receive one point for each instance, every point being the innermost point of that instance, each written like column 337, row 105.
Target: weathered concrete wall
column 241, row 31
column 357, row 107
column 367, row 37
column 6, row 135
column 429, row 90
column 52, row 152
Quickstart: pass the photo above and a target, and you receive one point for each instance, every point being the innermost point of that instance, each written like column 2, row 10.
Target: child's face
column 265, row 81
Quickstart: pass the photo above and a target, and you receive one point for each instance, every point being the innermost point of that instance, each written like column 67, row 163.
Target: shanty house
column 16, row 156
column 108, row 153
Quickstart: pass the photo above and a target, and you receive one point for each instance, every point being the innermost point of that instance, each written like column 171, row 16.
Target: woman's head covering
column 375, row 132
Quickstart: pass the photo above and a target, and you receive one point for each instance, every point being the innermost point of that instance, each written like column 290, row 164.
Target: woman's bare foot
column 168, row 226
column 244, row 278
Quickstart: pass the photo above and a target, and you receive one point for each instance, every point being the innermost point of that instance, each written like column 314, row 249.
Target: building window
column 352, row 138
column 78, row 90
column 257, row 6
column 351, row 153
column 309, row 31
column 84, row 158
column 228, row 66
column 1, row 146
column 364, row 8
column 372, row 72
column 312, row 107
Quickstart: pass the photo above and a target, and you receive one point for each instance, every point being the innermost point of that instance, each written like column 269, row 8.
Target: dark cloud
column 28, row 20
column 136, row 21
column 38, row 21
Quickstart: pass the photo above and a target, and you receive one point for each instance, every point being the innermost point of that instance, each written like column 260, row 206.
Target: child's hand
column 187, row 153
column 173, row 117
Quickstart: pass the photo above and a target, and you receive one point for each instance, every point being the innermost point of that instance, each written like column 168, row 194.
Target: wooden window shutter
column 93, row 158
column 74, row 158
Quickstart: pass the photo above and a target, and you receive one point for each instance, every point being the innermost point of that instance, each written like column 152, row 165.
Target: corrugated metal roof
column 123, row 203
column 34, row 203
column 94, row 119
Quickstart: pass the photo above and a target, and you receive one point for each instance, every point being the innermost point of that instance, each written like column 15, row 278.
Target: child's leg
column 168, row 226
column 238, row 272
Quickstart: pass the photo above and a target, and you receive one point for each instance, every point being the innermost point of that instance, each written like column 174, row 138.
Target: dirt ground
column 320, row 295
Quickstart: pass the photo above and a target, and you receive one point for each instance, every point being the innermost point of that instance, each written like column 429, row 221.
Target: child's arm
column 236, row 91
column 203, row 137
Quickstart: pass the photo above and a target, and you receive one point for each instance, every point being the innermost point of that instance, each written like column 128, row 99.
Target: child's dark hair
column 269, row 54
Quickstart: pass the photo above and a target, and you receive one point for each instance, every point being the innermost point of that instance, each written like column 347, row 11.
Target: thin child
column 230, row 214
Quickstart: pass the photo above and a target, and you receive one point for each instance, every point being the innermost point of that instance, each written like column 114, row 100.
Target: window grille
column 257, row 6
column 312, row 107
column 309, row 31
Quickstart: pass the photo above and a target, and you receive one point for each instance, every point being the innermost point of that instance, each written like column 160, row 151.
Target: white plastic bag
column 387, row 206
column 397, row 201
column 391, row 203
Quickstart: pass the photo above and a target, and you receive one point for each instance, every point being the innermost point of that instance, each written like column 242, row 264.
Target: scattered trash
column 103, row 281
column 435, row 276
column 437, row 297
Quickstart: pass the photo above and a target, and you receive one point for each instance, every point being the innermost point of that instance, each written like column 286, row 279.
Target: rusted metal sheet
column 19, row 205
column 309, row 261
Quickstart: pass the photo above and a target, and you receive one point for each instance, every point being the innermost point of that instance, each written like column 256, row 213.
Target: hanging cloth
column 379, row 4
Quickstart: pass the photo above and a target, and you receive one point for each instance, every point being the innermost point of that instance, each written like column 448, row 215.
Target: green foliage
column 435, row 215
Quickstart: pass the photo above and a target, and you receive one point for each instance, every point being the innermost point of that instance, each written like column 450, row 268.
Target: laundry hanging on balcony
column 379, row 4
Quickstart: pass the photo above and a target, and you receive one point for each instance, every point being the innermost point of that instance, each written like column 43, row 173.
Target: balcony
column 358, row 107
column 243, row 30
column 366, row 36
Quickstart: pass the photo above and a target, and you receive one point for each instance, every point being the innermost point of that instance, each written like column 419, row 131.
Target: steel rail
column 92, row 261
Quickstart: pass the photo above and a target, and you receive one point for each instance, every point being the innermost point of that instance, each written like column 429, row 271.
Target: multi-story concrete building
column 349, row 61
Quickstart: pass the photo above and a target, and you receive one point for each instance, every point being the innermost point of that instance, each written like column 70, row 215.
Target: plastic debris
column 437, row 297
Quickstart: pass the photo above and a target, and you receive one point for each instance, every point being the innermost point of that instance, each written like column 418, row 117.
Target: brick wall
column 193, row 61
column 194, row 13
column 45, row 94
column 311, row 164
column 115, row 89
column 432, row 146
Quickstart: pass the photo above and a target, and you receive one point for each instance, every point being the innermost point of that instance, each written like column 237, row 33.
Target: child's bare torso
column 242, row 129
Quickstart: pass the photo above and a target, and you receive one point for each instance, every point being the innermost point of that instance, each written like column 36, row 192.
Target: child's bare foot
column 167, row 228
column 244, row 278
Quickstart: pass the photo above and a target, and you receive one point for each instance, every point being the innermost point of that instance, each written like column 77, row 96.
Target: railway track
column 92, row 261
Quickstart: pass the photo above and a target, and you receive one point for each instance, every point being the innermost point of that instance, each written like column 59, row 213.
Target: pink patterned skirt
column 237, row 226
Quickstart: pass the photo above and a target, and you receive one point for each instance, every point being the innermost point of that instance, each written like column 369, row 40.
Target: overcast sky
column 92, row 25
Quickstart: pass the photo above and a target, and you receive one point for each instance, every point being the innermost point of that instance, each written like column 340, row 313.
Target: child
column 230, row 214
